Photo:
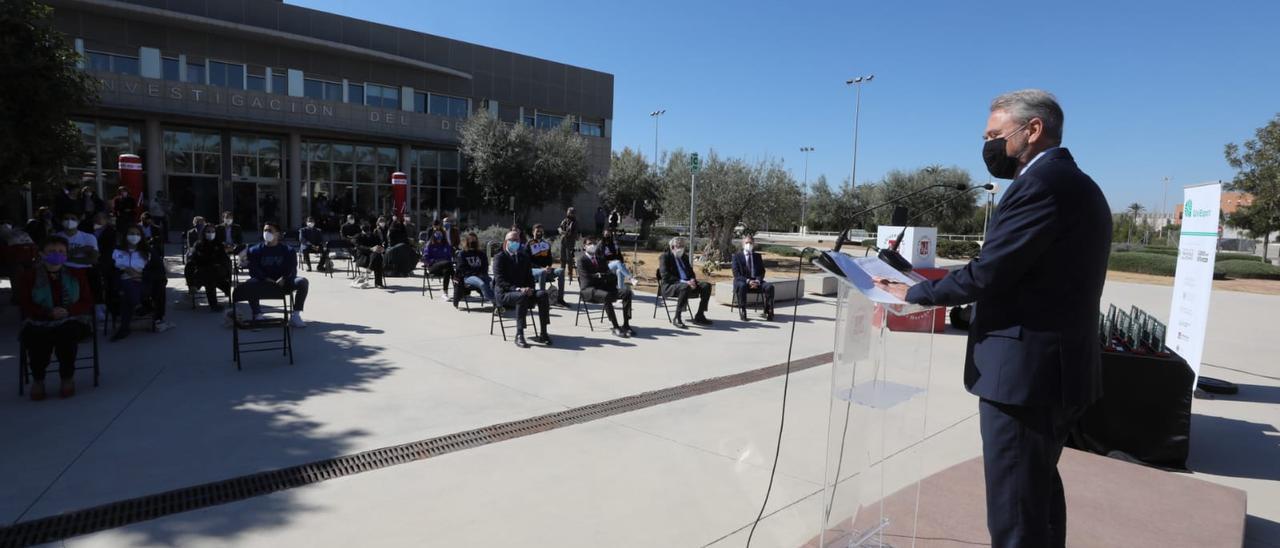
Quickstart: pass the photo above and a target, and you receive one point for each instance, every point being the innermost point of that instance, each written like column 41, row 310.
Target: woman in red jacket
column 55, row 302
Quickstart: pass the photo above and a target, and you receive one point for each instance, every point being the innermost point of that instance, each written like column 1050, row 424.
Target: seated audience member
column 452, row 233
column 136, row 264
column 612, row 253
column 350, row 229
column 82, row 255
column 400, row 255
column 748, row 277
column 230, row 235
column 41, row 226
column 596, row 284
column 125, row 209
column 411, row 229
column 544, row 269
column 677, row 279
column 150, row 230
column 90, row 204
column 437, row 260
column 273, row 263
column 368, row 255
column 104, row 231
column 514, row 288
column 195, row 234
column 312, row 241
column 209, row 267
column 472, row 270
column 55, row 303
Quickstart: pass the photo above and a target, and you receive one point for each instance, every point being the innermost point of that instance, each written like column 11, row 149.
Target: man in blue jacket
column 1033, row 355
column 272, row 263
column 514, row 284
column 748, row 277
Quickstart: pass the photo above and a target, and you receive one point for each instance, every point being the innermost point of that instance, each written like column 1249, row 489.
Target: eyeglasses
column 987, row 137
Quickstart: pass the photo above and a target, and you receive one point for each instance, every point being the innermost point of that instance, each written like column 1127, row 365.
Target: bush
column 953, row 249
column 869, row 243
column 1159, row 251
column 1237, row 268
column 1143, row 263
column 1229, row 256
column 776, row 249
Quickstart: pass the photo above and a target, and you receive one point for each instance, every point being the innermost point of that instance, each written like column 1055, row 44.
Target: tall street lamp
column 804, row 199
column 1164, row 211
column 655, row 115
column 857, row 111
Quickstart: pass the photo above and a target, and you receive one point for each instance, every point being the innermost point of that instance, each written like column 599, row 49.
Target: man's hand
column 59, row 313
column 526, row 291
column 891, row 287
column 692, row 283
column 754, row 284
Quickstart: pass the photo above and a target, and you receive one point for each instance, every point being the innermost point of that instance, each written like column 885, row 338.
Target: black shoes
column 120, row 335
column 544, row 338
column 619, row 333
column 742, row 315
column 679, row 323
column 630, row 332
column 520, row 342
column 701, row 320
column 562, row 304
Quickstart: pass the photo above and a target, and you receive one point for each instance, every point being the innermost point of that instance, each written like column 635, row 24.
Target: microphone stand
column 843, row 237
column 892, row 256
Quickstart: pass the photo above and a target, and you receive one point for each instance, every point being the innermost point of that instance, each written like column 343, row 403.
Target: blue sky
column 1150, row 89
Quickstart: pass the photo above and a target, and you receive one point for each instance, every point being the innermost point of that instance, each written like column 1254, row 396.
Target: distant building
column 1229, row 203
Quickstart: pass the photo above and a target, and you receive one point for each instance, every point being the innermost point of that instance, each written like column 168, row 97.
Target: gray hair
column 1025, row 104
column 677, row 241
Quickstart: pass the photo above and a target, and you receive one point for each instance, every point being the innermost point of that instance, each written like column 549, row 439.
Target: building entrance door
column 244, row 205
column 193, row 195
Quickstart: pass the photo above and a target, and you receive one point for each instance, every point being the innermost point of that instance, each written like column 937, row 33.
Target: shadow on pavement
column 1233, row 447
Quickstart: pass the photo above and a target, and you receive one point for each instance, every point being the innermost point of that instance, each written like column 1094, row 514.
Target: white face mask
column 679, row 252
column 210, row 235
column 71, row 224
column 133, row 238
column 97, row 226
column 382, row 225
column 311, row 225
column 268, row 236
column 590, row 249
column 747, row 247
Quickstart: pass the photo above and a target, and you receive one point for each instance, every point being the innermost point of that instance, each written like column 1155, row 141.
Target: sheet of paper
column 860, row 272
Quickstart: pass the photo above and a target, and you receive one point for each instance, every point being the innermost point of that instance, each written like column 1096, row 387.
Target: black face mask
column 1000, row 164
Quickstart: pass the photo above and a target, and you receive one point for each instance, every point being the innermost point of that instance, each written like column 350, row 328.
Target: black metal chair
column 584, row 306
column 341, row 249
column 499, row 317
column 284, row 344
column 428, row 288
column 24, row 373
column 757, row 305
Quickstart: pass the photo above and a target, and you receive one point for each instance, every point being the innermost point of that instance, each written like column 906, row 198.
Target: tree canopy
column 633, row 187
column 1257, row 165
column 535, row 167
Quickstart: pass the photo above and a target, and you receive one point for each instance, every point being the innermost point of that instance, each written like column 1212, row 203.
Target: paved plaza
column 378, row 368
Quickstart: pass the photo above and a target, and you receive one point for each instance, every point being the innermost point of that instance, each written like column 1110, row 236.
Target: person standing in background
column 568, row 239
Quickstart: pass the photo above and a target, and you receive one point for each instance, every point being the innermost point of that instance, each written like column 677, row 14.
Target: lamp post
column 804, row 200
column 1164, row 211
column 857, row 112
column 655, row 115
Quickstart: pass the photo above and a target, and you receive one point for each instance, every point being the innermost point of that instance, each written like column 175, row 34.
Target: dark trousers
column 442, row 270
column 682, row 292
column 135, row 292
column 321, row 250
column 373, row 261
column 607, row 297
column 299, row 287
column 1020, row 449
column 765, row 289
column 63, row 340
column 566, row 255
column 523, row 302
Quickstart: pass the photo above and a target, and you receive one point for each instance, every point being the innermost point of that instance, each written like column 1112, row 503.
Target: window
column 254, row 156
column 110, row 62
column 360, row 173
column 355, row 93
column 279, row 82
column 419, row 101
column 548, row 121
column 195, row 73
column 321, row 89
column 527, row 120
column 193, row 152
column 590, row 129
column 256, row 79
column 444, row 105
column 169, row 66
column 226, row 75
column 376, row 95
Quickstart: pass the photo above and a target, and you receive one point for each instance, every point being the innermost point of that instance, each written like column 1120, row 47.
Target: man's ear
column 1035, row 131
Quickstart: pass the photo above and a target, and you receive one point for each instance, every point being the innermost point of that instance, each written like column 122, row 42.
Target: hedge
column 1143, row 263
column 956, row 249
column 1230, row 256
column 1247, row 269
column 777, row 249
column 869, row 243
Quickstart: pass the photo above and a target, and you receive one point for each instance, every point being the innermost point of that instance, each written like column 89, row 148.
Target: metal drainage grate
column 129, row 511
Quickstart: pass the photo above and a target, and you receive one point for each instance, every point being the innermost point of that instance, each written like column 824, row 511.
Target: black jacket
column 349, row 230
column 667, row 271
column 471, row 263
column 512, row 271
column 596, row 275
column 366, row 241
column 1038, row 284
column 237, row 237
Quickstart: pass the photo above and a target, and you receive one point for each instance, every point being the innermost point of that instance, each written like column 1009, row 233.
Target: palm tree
column 1136, row 208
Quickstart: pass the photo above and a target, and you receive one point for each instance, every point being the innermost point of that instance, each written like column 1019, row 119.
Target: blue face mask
column 513, row 246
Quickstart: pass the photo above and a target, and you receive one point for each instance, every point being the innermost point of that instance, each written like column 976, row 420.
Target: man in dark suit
column 229, row 234
column 677, row 279
column 1033, row 356
column 513, row 279
column 748, row 277
column 598, row 284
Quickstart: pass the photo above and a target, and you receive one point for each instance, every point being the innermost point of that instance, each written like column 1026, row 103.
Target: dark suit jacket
column 1037, row 283
column 596, row 276
column 237, row 237
column 511, row 271
column 667, row 272
column 742, row 274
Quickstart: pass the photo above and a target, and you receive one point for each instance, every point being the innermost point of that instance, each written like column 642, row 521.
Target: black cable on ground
column 786, row 382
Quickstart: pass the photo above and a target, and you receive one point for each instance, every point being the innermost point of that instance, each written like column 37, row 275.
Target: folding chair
column 584, row 306
column 758, row 305
column 340, row 250
column 429, row 288
column 264, row 292
column 498, row 316
column 24, row 373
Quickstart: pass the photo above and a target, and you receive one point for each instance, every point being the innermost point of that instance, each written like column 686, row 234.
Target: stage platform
column 1109, row 503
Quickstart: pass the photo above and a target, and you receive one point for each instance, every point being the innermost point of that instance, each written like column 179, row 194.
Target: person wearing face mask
column 230, row 235
column 40, row 226
column 55, row 303
column 350, row 229
column 209, row 267
column 104, row 231
column 596, row 285
column 1033, row 357
column 748, row 277
column 437, row 260
column 90, row 203
column 540, row 258
column 568, row 238
column 65, row 202
column 139, row 281
column 124, row 207
column 451, row 232
column 369, row 256
column 274, row 264
column 678, row 280
column 401, row 255
column 472, row 270
column 82, row 254
column 195, row 234
column 612, row 253
column 514, row 284
column 150, row 230
column 311, row 238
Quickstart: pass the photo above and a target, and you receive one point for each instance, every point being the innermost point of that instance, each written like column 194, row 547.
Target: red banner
column 131, row 176
column 399, row 189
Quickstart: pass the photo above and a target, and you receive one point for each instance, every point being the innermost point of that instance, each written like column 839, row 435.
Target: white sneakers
column 445, row 297
column 162, row 326
column 295, row 319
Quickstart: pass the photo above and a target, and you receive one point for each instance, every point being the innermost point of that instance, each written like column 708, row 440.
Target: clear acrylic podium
column 879, row 396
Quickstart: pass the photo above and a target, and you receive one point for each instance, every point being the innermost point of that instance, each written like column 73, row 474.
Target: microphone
column 843, row 238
